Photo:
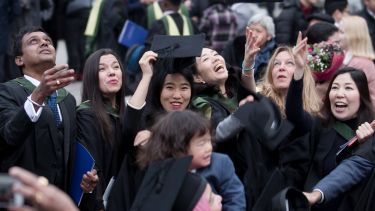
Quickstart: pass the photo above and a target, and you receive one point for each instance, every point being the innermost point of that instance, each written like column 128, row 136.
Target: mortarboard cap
column 176, row 53
column 168, row 185
column 262, row 118
column 178, row 46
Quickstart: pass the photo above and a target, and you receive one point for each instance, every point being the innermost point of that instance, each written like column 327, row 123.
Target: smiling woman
column 344, row 97
column 218, row 87
column 170, row 82
column 176, row 92
column 348, row 112
column 99, row 122
column 348, row 97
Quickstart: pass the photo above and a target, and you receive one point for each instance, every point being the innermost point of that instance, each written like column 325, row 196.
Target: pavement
column 74, row 88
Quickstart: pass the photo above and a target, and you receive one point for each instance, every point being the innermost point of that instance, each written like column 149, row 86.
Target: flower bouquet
column 324, row 59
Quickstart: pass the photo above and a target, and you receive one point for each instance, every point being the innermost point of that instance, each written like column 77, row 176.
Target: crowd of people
column 274, row 114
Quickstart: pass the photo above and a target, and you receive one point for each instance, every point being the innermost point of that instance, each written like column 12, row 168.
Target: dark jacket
column 159, row 28
column 258, row 149
column 323, row 144
column 290, row 22
column 39, row 147
column 8, row 11
column 113, row 17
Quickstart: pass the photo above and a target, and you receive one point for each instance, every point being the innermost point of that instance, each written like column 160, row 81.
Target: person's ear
column 198, row 79
column 19, row 61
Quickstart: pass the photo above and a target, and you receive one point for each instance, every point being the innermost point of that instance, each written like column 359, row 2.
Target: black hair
column 320, row 32
column 17, row 39
column 175, row 2
column 330, row 6
column 162, row 68
column 91, row 92
column 365, row 112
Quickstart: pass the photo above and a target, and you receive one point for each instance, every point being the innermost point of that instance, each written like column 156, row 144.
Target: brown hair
column 365, row 112
column 171, row 136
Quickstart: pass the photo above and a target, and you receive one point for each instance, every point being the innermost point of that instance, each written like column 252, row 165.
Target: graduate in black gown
column 37, row 115
column 335, row 175
column 99, row 122
column 340, row 181
column 167, row 71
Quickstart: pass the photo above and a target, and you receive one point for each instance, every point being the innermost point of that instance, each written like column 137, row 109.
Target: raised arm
column 294, row 110
column 251, row 50
column 138, row 99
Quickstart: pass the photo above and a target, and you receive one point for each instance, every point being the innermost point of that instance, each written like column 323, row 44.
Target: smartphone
column 7, row 197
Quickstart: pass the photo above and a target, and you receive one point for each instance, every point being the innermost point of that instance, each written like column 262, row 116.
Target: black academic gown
column 129, row 177
column 322, row 143
column 105, row 154
column 261, row 152
column 257, row 163
column 38, row 147
column 308, row 159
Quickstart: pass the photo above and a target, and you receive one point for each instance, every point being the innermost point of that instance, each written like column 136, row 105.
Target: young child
column 181, row 133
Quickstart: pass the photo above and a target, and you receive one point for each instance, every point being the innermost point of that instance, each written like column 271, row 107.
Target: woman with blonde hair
column 288, row 81
column 359, row 53
column 278, row 78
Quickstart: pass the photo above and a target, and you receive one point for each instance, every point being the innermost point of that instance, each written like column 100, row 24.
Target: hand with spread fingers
column 41, row 194
column 53, row 79
column 300, row 56
column 252, row 47
column 89, row 181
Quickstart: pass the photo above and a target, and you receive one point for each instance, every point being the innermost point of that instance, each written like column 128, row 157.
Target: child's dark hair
column 171, row 136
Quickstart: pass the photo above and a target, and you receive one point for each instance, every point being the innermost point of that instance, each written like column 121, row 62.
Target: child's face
column 201, row 149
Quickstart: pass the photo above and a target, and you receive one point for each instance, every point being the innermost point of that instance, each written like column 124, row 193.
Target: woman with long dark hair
column 99, row 121
column 337, row 170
